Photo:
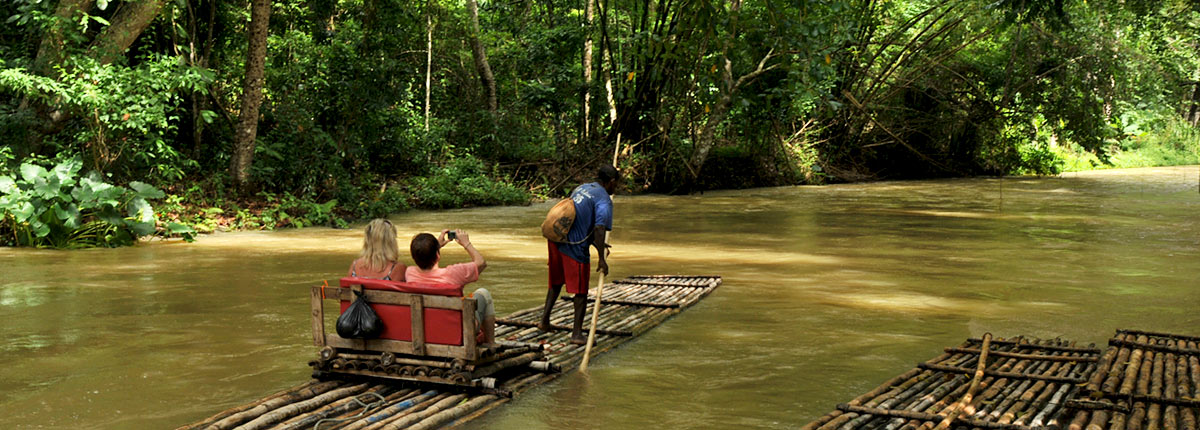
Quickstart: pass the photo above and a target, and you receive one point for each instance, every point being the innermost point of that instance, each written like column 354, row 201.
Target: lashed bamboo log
column 1099, row 418
column 391, row 410
column 341, row 406
column 1046, row 347
column 1120, row 368
column 450, row 414
column 1107, row 362
column 606, row 332
column 267, row 405
column 1038, row 357
column 241, row 408
column 1009, row 375
column 1161, row 335
column 858, row 410
column 409, row 419
column 1135, row 418
column 1120, row 416
column 1132, row 371
column 1080, row 420
column 290, row 410
column 519, row 360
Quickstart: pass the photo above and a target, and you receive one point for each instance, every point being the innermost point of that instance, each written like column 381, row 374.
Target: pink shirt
column 455, row 274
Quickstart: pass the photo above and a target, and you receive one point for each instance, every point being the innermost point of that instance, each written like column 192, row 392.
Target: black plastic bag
column 359, row 321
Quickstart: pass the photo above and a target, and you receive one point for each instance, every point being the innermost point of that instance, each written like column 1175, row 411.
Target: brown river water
column 828, row 291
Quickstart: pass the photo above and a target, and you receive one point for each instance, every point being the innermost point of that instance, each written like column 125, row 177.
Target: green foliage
column 462, row 183
column 126, row 114
column 59, row 209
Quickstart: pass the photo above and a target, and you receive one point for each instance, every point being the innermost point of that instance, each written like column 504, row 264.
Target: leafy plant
column 57, row 208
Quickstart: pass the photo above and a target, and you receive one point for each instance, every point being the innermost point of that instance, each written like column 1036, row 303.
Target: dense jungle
column 128, row 118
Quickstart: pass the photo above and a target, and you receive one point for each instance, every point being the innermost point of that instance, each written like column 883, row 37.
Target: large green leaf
column 140, row 210
column 6, row 184
column 69, row 215
column 66, row 171
column 93, row 192
column 47, row 187
column 146, row 191
column 24, row 211
column 40, row 229
column 30, row 172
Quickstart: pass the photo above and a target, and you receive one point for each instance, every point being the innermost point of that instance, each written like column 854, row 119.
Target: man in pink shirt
column 426, row 252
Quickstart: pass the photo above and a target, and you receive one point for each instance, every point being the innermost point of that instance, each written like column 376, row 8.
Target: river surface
column 828, row 291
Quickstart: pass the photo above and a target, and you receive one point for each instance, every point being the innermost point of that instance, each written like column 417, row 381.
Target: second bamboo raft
column 1022, row 385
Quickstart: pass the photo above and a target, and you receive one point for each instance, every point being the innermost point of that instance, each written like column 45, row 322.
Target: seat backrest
column 441, row 326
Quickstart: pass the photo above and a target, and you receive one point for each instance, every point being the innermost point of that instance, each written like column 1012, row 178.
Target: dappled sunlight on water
column 828, row 292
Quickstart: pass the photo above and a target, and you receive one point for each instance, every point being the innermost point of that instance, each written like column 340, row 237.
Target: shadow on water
column 828, row 292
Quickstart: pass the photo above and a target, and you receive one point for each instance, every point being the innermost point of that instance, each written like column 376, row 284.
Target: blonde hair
column 379, row 244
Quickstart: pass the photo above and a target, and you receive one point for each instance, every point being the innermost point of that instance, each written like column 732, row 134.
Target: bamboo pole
column 587, row 352
column 957, row 408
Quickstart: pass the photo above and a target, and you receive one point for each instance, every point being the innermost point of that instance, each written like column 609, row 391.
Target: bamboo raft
column 1145, row 381
column 629, row 308
column 1016, row 384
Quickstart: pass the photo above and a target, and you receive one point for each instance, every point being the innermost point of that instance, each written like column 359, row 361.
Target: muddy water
column 828, row 292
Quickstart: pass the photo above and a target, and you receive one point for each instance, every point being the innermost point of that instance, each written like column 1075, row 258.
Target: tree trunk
column 127, row 25
column 50, row 50
column 256, row 55
column 481, row 61
column 587, row 70
column 428, row 62
column 1193, row 115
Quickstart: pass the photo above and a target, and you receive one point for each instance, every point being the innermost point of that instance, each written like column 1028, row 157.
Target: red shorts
column 565, row 270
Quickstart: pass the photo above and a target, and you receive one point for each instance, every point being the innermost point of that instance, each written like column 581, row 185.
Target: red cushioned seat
column 442, row 326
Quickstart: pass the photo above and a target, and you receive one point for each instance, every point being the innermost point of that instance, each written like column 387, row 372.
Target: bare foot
column 544, row 326
column 578, row 340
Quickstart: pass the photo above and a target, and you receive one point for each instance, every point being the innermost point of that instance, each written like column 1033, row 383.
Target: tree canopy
column 384, row 104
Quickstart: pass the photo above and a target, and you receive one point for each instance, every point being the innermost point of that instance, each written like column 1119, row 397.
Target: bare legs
column 580, row 302
column 551, row 297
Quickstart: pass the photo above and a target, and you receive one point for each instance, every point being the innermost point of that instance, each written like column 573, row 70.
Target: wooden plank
column 398, row 298
column 417, row 307
column 318, row 314
column 396, row 346
column 469, row 328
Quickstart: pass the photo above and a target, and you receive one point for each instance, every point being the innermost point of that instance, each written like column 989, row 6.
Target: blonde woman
column 380, row 257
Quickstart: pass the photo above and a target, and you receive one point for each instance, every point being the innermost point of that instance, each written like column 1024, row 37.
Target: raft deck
column 1143, row 380
column 630, row 307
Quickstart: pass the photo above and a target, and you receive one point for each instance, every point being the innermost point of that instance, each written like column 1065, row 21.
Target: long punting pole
column 587, row 350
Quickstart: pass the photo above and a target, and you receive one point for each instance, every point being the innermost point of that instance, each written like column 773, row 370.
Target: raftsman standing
column 570, row 262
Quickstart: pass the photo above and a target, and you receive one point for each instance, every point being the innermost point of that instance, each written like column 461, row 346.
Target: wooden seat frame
column 417, row 303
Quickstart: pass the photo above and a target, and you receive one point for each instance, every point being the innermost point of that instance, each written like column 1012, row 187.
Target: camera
column 451, row 235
